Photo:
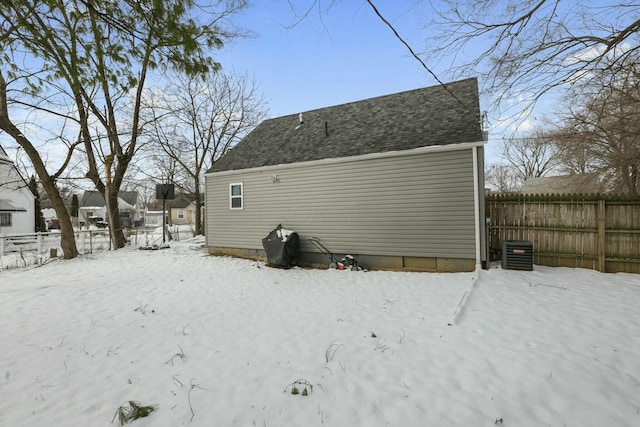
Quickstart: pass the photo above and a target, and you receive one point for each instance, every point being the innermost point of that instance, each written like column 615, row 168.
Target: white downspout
column 476, row 205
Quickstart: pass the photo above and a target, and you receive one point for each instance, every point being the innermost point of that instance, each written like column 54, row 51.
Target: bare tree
column 601, row 130
column 81, row 61
column 196, row 121
column 531, row 157
column 502, row 178
column 523, row 158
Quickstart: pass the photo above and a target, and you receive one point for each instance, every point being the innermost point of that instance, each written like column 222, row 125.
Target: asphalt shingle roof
column 94, row 198
column 401, row 121
column 182, row 200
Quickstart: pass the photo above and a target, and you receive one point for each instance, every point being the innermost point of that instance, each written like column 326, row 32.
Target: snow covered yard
column 215, row 341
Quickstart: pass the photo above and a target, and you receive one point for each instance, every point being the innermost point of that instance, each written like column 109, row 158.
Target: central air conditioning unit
column 517, row 255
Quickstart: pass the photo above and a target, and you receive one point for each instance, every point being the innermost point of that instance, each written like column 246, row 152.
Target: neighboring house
column 395, row 181
column 17, row 202
column 92, row 205
column 564, row 184
column 183, row 209
column 153, row 214
column 48, row 214
column 179, row 211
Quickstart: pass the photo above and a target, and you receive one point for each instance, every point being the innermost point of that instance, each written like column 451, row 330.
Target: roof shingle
column 401, row 121
column 94, row 198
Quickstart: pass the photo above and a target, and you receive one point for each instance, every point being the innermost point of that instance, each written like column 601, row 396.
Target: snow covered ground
column 217, row 341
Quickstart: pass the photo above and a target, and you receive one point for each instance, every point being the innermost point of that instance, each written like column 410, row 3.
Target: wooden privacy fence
column 600, row 232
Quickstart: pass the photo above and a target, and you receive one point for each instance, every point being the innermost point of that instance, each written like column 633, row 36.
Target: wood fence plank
column 601, row 232
column 602, row 239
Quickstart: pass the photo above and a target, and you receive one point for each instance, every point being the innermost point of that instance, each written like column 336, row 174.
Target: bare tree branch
column 525, row 49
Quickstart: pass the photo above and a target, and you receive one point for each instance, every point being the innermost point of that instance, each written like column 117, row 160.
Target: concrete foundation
column 369, row 262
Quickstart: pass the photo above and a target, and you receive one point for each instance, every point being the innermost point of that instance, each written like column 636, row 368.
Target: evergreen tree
column 41, row 225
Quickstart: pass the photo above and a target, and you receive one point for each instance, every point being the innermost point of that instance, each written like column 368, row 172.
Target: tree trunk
column 115, row 223
column 199, row 228
column 67, row 238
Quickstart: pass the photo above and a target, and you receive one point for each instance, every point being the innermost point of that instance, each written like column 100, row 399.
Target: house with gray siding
column 395, row 181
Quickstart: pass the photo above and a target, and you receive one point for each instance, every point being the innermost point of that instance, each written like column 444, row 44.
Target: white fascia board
column 385, row 155
column 476, row 206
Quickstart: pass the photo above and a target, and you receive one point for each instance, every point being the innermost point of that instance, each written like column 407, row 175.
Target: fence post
column 601, row 236
column 40, row 241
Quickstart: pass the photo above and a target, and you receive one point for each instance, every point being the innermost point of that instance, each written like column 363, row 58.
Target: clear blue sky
column 340, row 55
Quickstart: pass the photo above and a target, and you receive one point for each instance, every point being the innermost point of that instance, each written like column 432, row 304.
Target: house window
column 5, row 219
column 181, row 214
column 236, row 196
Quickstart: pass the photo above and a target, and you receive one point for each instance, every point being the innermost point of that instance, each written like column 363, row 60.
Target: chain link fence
column 34, row 249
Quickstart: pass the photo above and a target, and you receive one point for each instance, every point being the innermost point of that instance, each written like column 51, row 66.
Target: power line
column 424, row 65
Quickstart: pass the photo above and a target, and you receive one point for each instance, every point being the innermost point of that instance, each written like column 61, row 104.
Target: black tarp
column 281, row 247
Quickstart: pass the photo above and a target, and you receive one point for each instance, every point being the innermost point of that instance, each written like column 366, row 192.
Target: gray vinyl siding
column 420, row 205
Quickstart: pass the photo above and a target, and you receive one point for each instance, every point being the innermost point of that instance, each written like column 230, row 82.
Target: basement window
column 236, row 196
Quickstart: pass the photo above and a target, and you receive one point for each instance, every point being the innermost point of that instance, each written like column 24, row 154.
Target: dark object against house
column 517, row 255
column 281, row 247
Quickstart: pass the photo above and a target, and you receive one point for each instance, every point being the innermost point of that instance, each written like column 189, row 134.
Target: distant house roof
column 154, row 205
column 401, row 121
column 180, row 202
column 7, row 206
column 564, row 184
column 6, row 161
column 94, row 198
column 183, row 200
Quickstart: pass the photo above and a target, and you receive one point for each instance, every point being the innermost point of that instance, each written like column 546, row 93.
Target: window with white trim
column 181, row 214
column 236, row 195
